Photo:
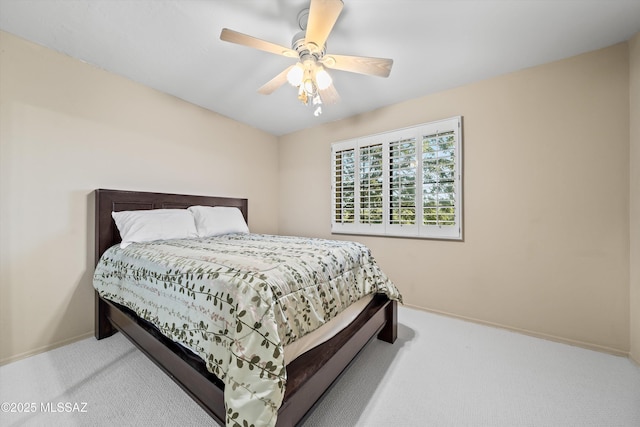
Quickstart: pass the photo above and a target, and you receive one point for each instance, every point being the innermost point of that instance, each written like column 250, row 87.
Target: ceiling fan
column 309, row 75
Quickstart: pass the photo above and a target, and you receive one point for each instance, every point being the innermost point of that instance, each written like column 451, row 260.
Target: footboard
column 311, row 374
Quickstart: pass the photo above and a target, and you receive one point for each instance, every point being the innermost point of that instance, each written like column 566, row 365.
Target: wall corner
column 634, row 196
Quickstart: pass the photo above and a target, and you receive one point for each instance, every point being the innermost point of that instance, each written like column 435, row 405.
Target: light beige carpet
column 440, row 372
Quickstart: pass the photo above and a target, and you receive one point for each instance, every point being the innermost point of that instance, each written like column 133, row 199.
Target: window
column 406, row 182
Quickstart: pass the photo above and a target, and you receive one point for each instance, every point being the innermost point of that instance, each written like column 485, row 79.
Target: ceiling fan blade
column 380, row 67
column 329, row 95
column 245, row 40
column 323, row 15
column 275, row 82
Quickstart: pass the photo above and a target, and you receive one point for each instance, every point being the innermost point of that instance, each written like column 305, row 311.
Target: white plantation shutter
column 406, row 182
column 438, row 185
column 441, row 170
column 344, row 186
column 402, row 181
column 371, row 183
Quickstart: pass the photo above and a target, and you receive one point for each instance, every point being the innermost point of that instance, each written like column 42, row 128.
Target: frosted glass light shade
column 323, row 79
column 294, row 76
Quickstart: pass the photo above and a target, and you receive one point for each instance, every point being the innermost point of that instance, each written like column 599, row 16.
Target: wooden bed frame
column 308, row 376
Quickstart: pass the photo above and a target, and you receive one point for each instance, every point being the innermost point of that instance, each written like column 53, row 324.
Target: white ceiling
column 174, row 46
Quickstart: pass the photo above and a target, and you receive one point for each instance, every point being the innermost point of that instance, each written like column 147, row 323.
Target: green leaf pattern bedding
column 236, row 300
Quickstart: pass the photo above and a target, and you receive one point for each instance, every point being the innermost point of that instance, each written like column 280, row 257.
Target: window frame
column 417, row 229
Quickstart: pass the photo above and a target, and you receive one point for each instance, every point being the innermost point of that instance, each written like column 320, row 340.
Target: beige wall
column 68, row 128
column 634, row 194
column 546, row 191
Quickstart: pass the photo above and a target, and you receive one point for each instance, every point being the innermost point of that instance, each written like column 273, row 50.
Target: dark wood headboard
column 108, row 201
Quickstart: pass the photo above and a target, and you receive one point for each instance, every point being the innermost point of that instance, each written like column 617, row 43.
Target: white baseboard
column 42, row 349
column 582, row 344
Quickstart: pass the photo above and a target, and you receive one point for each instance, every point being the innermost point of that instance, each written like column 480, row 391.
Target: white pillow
column 155, row 224
column 217, row 220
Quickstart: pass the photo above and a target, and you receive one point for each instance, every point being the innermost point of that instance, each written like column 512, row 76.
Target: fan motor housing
column 307, row 50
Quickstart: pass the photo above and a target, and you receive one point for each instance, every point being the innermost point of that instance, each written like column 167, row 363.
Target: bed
column 308, row 376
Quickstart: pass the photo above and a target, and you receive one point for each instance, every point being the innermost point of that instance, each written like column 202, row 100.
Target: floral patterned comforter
column 238, row 299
